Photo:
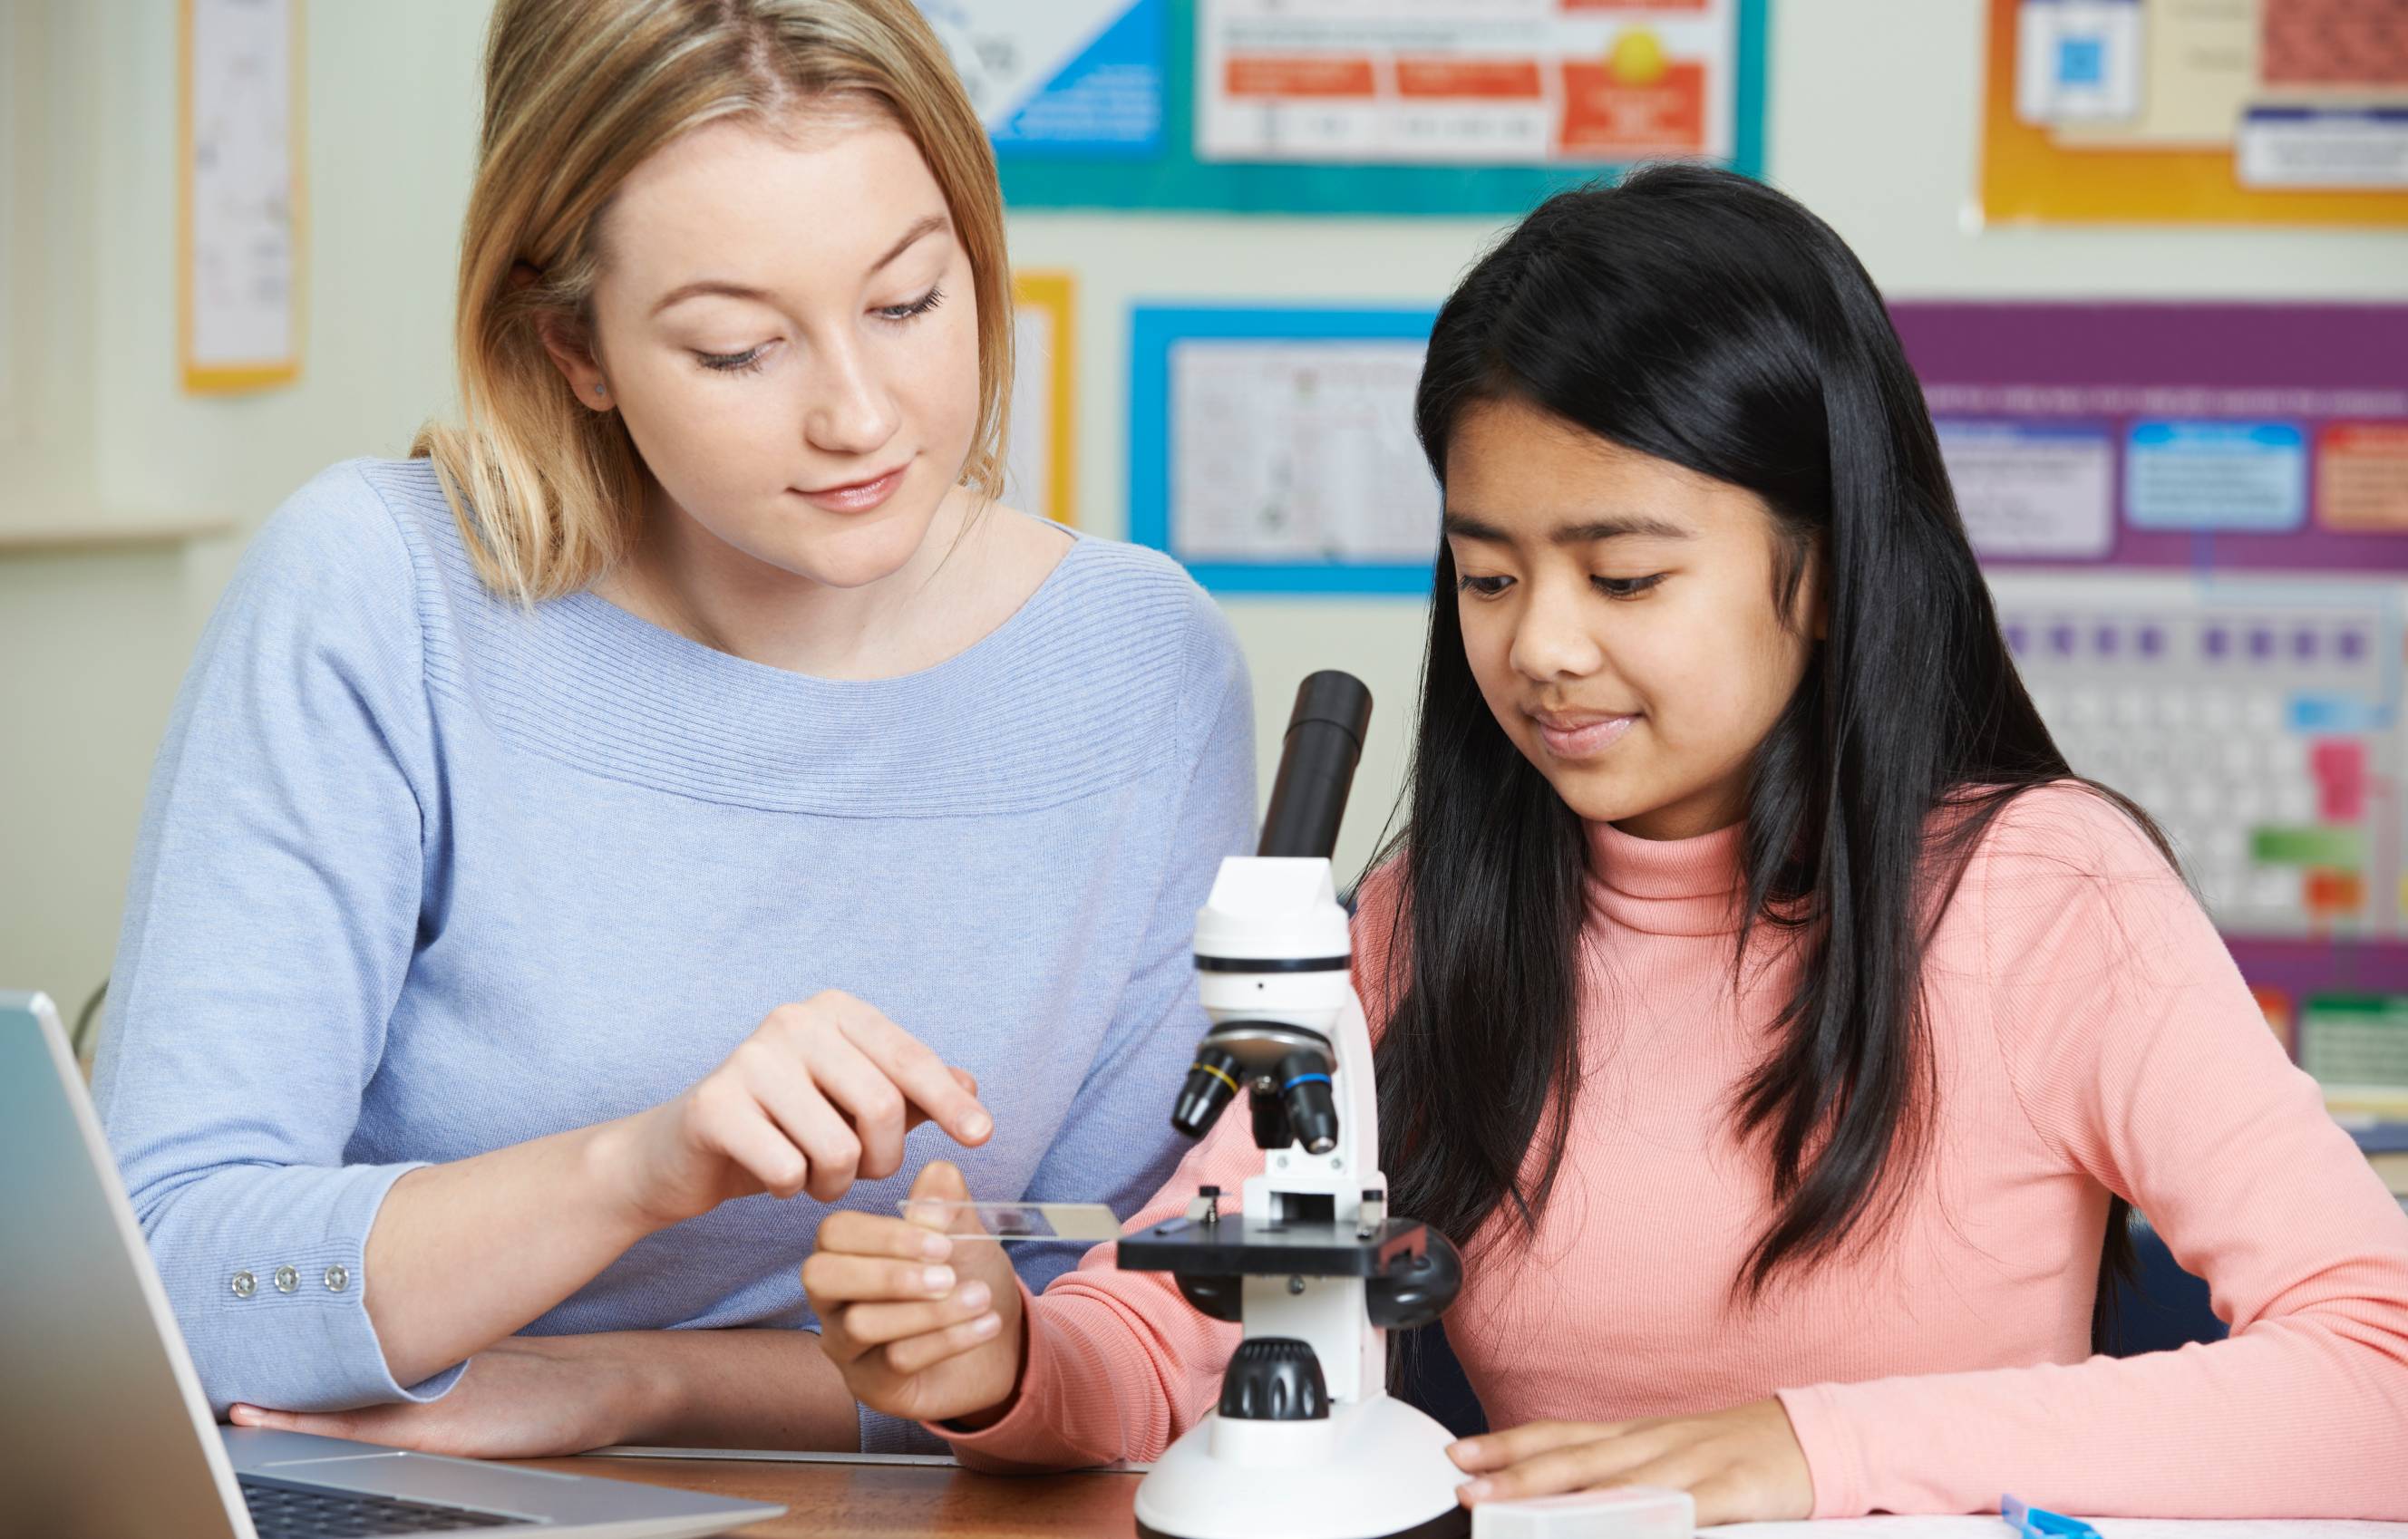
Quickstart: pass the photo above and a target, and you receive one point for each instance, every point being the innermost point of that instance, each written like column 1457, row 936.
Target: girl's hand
column 912, row 1336
column 820, row 1094
column 527, row 1397
column 1741, row 1465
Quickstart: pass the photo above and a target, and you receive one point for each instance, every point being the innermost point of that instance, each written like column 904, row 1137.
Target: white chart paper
column 2032, row 493
column 1288, row 449
column 243, row 235
column 1028, row 480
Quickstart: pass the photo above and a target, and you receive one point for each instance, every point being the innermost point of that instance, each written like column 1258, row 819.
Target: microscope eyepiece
column 1312, row 1110
column 1317, row 768
column 1211, row 1080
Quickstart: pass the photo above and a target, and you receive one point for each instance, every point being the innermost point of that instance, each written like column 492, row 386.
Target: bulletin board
column 1040, row 464
column 2229, row 111
column 2194, row 519
column 1272, row 451
column 239, row 194
column 2194, row 522
column 1458, row 107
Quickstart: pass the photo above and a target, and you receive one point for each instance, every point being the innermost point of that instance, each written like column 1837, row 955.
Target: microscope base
column 1373, row 1470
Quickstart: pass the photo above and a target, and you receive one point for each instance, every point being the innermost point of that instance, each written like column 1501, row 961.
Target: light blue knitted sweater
column 425, row 874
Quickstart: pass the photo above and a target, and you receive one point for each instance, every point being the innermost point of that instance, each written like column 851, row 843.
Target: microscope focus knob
column 1415, row 1290
column 1274, row 1378
column 1222, row 1298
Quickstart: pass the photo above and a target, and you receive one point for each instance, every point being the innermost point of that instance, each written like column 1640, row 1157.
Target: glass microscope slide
column 1005, row 1221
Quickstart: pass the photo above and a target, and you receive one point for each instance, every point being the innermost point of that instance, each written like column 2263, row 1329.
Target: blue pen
column 2033, row 1523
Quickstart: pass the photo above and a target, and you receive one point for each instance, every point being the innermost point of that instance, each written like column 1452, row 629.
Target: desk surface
column 834, row 1501
column 843, row 1501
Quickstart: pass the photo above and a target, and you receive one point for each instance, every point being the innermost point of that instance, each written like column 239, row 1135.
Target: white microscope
column 1306, row 1443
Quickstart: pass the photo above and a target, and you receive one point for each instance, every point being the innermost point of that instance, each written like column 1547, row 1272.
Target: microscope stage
column 1248, row 1248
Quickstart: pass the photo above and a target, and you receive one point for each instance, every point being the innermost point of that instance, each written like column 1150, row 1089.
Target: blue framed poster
column 1271, row 450
column 1465, row 107
column 1061, row 78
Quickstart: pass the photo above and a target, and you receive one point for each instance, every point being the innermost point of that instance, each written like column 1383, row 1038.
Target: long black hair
column 1704, row 319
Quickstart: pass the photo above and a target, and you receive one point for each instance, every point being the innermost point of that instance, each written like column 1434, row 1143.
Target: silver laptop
column 103, row 1427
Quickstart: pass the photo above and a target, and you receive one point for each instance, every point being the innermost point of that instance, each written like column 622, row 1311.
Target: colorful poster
column 2268, row 437
column 2256, row 112
column 1059, row 77
column 2194, row 522
column 1352, row 106
column 1499, row 83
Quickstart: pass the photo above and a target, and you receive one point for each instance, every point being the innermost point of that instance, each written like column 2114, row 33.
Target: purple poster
column 2240, row 436
column 2194, row 521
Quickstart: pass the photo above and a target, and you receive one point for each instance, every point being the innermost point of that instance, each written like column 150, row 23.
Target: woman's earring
column 600, row 390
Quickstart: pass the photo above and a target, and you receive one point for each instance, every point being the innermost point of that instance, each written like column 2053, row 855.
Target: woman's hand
column 912, row 1336
column 1743, row 1465
column 527, row 1397
column 820, row 1094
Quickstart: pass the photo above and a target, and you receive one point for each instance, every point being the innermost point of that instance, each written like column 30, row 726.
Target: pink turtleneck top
column 2088, row 1034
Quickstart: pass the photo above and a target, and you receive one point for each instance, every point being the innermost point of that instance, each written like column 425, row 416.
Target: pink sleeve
column 1119, row 1363
column 2139, row 1055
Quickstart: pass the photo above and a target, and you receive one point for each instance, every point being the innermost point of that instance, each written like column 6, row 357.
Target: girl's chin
column 1594, row 795
column 1597, row 796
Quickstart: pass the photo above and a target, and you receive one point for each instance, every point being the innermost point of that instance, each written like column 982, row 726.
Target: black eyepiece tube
column 1324, row 740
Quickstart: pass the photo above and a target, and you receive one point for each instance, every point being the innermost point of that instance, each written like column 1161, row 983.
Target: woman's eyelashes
column 747, row 361
column 921, row 306
column 750, row 360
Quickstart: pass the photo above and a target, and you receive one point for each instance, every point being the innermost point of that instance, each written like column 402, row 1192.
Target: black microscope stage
column 1249, row 1247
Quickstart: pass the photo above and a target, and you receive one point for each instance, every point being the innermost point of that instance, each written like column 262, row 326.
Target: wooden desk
column 890, row 1501
column 839, row 1500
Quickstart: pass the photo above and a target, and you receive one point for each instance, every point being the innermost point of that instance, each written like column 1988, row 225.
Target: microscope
column 1306, row 1443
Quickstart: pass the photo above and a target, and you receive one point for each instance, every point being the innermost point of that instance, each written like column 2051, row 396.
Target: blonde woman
column 583, row 851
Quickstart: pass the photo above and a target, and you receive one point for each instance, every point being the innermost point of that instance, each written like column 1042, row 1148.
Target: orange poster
column 2226, row 111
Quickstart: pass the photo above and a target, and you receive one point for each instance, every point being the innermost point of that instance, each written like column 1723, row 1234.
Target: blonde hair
column 578, row 92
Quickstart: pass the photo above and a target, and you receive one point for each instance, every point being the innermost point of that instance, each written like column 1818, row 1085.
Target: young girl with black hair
column 1780, row 1023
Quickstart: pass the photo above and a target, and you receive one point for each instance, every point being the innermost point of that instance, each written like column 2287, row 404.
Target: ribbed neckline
column 1077, row 690
column 1666, row 887
column 589, row 611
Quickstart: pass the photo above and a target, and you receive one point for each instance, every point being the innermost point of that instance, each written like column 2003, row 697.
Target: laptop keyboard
column 279, row 1511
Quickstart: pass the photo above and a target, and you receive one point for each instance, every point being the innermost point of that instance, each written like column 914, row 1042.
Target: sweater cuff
column 286, row 1324
column 1834, row 1458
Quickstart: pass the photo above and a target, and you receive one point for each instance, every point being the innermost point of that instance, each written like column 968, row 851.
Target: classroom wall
column 1872, row 114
